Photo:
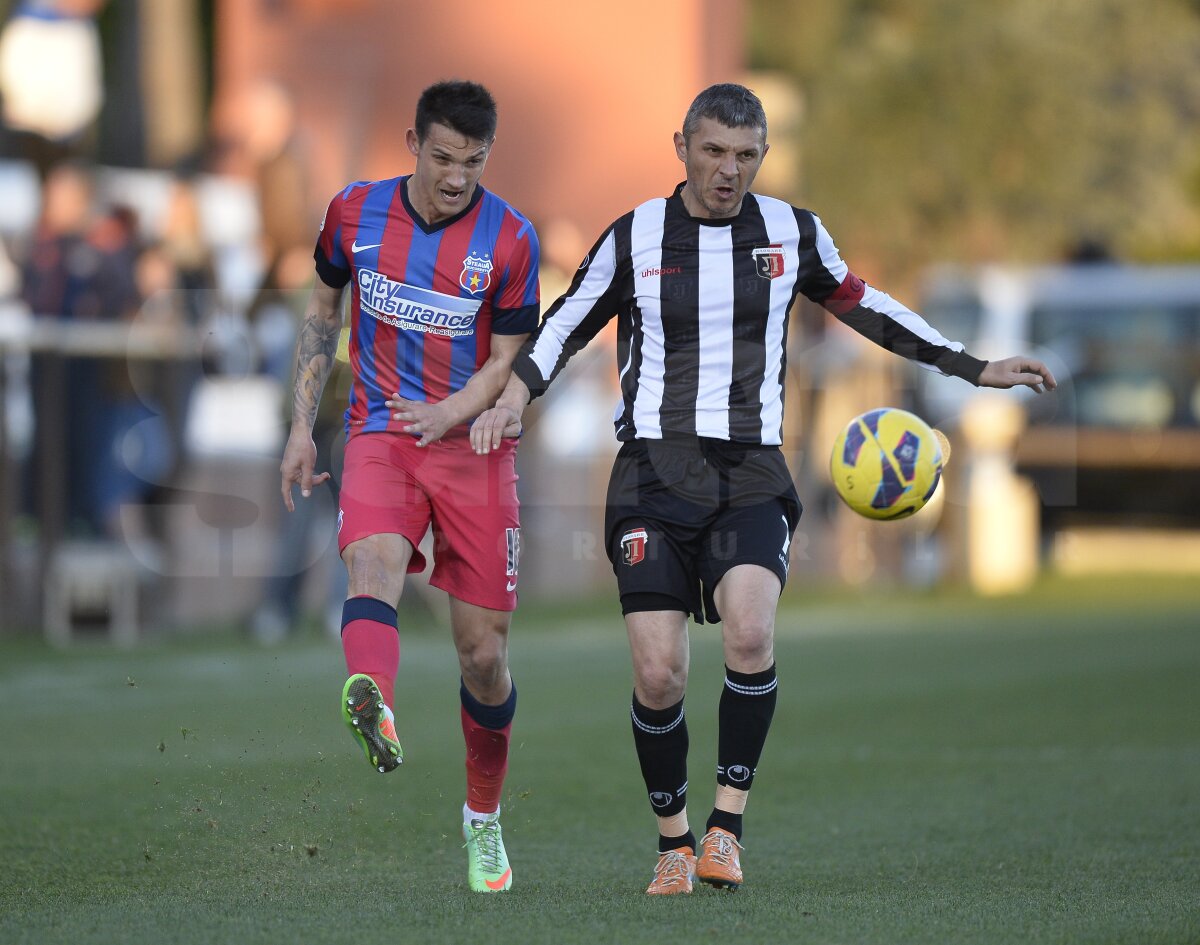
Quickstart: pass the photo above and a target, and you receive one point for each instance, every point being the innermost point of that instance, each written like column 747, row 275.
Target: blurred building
column 589, row 94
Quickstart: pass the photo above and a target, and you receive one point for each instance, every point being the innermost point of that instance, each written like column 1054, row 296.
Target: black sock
column 726, row 821
column 674, row 843
column 661, row 739
column 747, row 706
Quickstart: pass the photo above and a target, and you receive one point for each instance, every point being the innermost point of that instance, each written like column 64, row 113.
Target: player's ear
column 681, row 146
column 413, row 142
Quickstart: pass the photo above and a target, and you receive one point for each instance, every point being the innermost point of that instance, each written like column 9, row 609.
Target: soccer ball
column 887, row 463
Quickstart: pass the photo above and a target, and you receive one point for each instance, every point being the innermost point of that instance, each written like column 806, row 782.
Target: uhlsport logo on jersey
column 633, row 545
column 413, row 308
column 660, row 271
column 769, row 260
column 476, row 274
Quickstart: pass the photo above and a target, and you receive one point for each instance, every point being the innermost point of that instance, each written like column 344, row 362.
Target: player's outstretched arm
column 1018, row 371
column 315, row 351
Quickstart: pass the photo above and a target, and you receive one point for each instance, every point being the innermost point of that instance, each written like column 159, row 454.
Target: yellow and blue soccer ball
column 887, row 463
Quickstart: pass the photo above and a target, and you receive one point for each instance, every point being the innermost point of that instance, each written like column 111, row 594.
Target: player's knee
column 748, row 642
column 660, row 685
column 483, row 664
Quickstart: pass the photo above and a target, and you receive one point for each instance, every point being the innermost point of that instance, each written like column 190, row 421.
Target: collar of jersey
column 676, row 200
column 441, row 224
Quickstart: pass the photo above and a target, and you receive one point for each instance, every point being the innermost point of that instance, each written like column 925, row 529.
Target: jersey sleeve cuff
column 961, row 364
column 525, row 368
column 515, row 321
column 333, row 276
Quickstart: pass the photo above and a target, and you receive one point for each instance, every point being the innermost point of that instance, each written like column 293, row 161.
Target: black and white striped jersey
column 702, row 308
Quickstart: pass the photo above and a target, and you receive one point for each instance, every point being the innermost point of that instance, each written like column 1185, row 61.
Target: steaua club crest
column 769, row 260
column 633, row 546
column 476, row 275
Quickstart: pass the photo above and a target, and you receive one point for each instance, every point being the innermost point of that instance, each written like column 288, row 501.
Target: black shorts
column 680, row 514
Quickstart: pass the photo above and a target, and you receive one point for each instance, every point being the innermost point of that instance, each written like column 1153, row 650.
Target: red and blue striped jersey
column 425, row 299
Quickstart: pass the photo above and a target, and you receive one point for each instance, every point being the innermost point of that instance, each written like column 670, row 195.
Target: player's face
column 721, row 163
column 449, row 166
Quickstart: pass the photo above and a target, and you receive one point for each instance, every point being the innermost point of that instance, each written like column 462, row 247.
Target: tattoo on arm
column 314, row 360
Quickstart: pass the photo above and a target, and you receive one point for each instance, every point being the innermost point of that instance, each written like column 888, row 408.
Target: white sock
column 470, row 815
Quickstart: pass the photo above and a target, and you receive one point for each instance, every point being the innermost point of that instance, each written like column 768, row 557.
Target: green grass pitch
column 941, row 769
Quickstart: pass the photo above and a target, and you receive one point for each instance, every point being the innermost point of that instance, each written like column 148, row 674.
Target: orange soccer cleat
column 719, row 864
column 673, row 873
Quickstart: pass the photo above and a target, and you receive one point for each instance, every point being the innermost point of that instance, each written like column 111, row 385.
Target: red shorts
column 389, row 485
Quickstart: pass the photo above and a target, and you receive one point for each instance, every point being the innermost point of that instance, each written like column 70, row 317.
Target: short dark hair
column 734, row 106
column 467, row 107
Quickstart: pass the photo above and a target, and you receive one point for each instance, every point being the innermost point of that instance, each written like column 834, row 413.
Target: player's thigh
column 758, row 534
column 382, row 494
column 376, row 565
column 655, row 571
column 651, row 537
column 476, row 524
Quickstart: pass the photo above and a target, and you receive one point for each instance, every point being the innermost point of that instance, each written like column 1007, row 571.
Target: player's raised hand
column 1018, row 371
column 299, row 460
column 492, row 426
column 429, row 421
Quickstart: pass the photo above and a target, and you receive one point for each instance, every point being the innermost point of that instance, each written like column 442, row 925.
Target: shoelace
column 724, row 848
column 672, row 867
column 487, row 844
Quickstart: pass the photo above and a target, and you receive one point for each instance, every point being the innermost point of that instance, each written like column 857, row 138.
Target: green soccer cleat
column 371, row 722
column 487, row 863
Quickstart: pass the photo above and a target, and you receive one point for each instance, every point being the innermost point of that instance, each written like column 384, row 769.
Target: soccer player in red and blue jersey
column 443, row 280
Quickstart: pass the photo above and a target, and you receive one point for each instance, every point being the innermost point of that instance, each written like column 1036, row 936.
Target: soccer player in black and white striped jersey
column 701, row 508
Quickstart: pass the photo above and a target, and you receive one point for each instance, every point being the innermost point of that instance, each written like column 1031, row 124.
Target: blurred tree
column 1012, row 131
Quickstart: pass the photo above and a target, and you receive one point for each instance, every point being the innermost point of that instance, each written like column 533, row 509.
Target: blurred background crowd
column 1025, row 174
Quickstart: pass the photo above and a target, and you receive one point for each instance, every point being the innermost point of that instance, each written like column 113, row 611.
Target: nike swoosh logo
column 355, row 248
column 359, row 708
column 499, row 883
column 510, row 586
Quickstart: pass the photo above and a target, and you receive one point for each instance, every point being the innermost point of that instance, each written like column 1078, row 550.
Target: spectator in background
column 186, row 250
column 271, row 149
column 81, row 267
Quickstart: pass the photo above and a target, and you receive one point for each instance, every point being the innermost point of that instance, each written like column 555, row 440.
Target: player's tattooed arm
column 315, row 350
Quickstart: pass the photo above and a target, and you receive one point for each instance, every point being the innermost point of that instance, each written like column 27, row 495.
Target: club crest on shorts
column 476, row 274
column 768, row 260
column 633, row 545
